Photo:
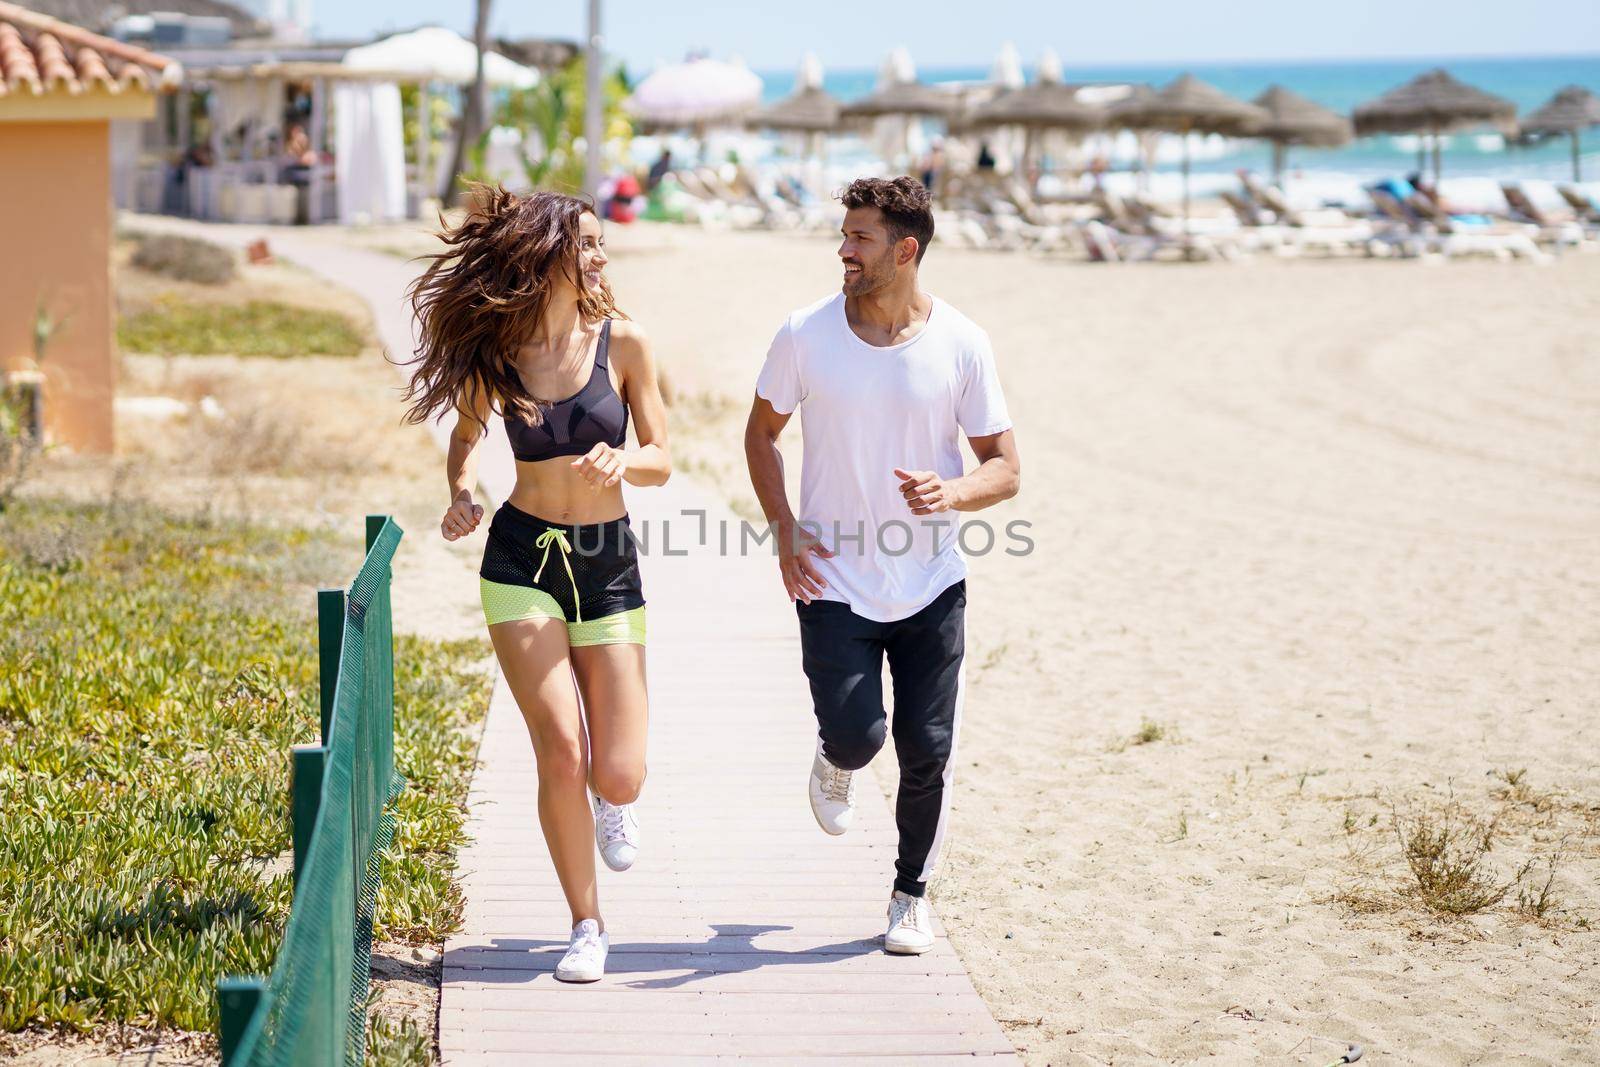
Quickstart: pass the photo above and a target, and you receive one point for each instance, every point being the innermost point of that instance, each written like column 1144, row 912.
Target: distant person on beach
column 1097, row 172
column 1429, row 192
column 888, row 379
column 297, row 150
column 658, row 170
column 933, row 165
column 514, row 313
column 985, row 157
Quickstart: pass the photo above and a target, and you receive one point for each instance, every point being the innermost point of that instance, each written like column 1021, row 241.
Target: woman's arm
column 651, row 462
column 461, row 464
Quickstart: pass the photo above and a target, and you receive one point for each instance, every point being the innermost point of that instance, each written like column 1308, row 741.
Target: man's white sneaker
column 833, row 795
column 585, row 960
column 616, row 833
column 910, row 926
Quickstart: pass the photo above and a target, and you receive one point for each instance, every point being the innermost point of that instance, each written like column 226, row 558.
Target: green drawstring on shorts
column 558, row 537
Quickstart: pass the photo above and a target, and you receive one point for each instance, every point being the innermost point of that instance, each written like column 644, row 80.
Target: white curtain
column 369, row 152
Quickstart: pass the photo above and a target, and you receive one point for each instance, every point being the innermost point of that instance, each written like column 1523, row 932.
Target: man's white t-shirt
column 864, row 411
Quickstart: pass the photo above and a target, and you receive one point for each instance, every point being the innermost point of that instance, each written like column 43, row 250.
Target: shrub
column 155, row 674
column 188, row 259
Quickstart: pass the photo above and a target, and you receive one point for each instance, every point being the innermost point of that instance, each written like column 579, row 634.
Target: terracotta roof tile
column 39, row 54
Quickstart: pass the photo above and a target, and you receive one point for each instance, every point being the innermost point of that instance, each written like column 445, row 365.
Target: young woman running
column 517, row 322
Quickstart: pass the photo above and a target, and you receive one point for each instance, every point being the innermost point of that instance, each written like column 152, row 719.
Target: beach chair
column 689, row 182
column 1397, row 227
column 1141, row 232
column 1581, row 203
column 1257, row 230
column 963, row 229
column 1105, row 244
column 1583, row 207
column 1244, row 209
column 1456, row 238
column 1269, row 198
column 1288, row 232
column 1551, row 229
column 743, row 210
column 1327, row 228
column 1034, row 224
column 999, row 215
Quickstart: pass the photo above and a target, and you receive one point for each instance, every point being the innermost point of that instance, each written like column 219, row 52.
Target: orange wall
column 55, row 245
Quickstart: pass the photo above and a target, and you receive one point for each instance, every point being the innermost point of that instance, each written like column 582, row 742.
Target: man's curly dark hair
column 907, row 209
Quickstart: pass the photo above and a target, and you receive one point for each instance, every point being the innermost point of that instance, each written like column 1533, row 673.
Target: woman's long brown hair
column 483, row 296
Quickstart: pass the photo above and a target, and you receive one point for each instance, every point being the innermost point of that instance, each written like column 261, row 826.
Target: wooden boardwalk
column 742, row 930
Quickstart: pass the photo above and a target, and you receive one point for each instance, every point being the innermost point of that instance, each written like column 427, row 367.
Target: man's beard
column 875, row 275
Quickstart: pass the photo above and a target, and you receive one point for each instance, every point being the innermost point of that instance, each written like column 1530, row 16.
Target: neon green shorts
column 511, row 603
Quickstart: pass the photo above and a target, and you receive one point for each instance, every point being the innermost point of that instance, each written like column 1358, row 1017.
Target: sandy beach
column 1315, row 568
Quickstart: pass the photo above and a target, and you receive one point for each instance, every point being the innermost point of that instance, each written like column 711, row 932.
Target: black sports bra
column 573, row 426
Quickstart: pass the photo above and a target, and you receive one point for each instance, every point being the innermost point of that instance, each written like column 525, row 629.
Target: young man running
column 888, row 378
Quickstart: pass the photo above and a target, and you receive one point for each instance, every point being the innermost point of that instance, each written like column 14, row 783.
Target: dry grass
column 187, row 259
column 1457, row 856
column 1150, row 731
column 1447, row 851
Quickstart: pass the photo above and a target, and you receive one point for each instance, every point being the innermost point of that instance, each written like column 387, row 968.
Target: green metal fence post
column 330, row 648
column 237, row 1000
column 305, row 798
column 374, row 528
column 312, row 1008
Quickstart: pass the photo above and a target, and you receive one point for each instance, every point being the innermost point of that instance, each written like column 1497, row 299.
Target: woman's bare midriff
column 554, row 491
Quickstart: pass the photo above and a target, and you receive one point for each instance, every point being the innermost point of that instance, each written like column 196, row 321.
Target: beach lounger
column 1141, row 233
column 1583, row 206
column 999, row 215
column 1245, row 210
column 745, row 208
column 1586, row 213
column 1551, row 229
column 1105, row 244
column 1327, row 229
column 1258, row 231
column 1456, row 238
column 1210, row 236
column 1397, row 226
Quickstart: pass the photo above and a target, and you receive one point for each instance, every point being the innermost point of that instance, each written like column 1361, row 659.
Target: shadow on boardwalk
column 730, row 950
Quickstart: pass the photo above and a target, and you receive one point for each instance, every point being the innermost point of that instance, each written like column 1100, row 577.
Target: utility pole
column 593, row 133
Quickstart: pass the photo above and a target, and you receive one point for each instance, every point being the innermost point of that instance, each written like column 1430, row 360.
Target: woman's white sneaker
column 585, row 960
column 616, row 833
column 910, row 926
column 833, row 795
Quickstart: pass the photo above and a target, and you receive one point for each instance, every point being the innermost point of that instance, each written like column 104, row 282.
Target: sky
column 774, row 35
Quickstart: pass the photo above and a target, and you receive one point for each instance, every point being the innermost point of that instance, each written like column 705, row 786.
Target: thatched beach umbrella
column 1043, row 105
column 1188, row 105
column 809, row 109
column 900, row 95
column 899, row 101
column 1292, row 119
column 1039, row 105
column 1571, row 111
column 1434, row 103
column 911, row 98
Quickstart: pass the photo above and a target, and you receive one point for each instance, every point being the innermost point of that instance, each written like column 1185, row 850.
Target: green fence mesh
column 313, row 1009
